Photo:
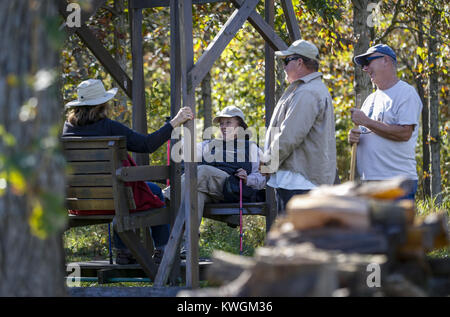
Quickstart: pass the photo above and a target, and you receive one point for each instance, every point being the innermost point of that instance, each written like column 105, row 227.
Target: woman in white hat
column 87, row 116
column 229, row 158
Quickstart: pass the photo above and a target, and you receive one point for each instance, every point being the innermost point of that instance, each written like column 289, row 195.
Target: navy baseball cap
column 380, row 48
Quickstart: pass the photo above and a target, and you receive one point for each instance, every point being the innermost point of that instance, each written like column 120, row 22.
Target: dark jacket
column 136, row 142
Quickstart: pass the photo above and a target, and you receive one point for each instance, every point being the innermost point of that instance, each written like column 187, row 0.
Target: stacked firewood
column 347, row 240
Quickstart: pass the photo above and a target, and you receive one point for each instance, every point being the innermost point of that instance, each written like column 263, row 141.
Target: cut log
column 310, row 211
column 306, row 212
column 299, row 270
column 340, row 239
column 386, row 190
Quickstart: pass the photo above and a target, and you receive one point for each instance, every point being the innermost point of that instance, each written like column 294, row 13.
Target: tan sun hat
column 301, row 47
column 229, row 112
column 91, row 92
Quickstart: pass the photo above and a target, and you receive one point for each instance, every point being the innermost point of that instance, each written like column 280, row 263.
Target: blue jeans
column 160, row 233
column 409, row 195
column 284, row 195
column 412, row 194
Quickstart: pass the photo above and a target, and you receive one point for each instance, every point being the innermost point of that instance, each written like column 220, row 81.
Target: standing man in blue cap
column 388, row 121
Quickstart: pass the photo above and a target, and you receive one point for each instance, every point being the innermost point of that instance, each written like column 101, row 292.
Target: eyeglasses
column 368, row 60
column 288, row 59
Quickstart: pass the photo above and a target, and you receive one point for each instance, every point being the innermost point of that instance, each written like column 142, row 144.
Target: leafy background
column 237, row 78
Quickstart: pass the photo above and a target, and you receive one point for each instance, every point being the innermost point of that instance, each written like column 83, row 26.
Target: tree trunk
column 30, row 110
column 364, row 34
column 206, row 101
column 206, row 91
column 433, row 101
column 425, row 116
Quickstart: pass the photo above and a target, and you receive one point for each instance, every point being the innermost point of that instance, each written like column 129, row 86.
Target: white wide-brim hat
column 91, row 92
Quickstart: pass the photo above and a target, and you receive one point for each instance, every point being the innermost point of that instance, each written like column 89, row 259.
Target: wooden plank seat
column 229, row 212
column 96, row 181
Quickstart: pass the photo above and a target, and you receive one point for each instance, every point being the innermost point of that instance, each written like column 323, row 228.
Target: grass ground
column 91, row 243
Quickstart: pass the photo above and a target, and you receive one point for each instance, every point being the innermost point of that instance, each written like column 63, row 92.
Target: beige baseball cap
column 301, row 47
column 228, row 112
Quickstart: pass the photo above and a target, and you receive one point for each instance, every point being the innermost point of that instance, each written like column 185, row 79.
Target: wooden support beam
column 103, row 56
column 190, row 192
column 291, row 20
column 263, row 28
column 220, row 41
column 269, row 92
column 142, row 4
column 131, row 240
column 175, row 105
column 269, row 88
column 139, row 173
column 139, row 112
column 86, row 11
column 171, row 249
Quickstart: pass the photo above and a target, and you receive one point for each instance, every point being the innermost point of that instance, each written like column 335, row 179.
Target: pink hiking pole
column 241, row 235
column 168, row 160
column 168, row 154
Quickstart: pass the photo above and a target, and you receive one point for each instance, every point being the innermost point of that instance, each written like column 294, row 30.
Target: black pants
column 284, row 195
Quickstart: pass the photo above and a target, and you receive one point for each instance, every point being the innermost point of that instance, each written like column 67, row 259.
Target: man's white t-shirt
column 379, row 158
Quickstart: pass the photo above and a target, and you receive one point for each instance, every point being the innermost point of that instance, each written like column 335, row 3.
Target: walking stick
column 353, row 162
column 240, row 217
column 354, row 148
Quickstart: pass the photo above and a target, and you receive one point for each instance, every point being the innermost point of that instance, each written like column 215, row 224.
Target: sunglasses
column 368, row 60
column 292, row 58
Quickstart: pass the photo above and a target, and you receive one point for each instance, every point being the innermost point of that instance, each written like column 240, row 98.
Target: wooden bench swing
column 96, row 180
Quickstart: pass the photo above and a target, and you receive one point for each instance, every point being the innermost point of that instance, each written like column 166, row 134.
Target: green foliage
column 86, row 243
column 216, row 235
column 425, row 207
column 237, row 77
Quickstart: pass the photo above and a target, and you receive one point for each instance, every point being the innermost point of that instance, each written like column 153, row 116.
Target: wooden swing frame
column 185, row 76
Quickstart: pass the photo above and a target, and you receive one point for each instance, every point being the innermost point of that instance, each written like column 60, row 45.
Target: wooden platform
column 124, row 291
column 103, row 270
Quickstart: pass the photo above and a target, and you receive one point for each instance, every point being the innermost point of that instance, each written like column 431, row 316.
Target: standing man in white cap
column 388, row 121
column 301, row 134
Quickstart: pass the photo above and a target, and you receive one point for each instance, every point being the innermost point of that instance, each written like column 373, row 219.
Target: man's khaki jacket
column 305, row 141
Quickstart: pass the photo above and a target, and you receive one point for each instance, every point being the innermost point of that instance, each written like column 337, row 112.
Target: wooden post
column 190, row 193
column 269, row 92
column 220, row 41
column 175, row 105
column 94, row 45
column 139, row 112
column 263, row 28
column 291, row 20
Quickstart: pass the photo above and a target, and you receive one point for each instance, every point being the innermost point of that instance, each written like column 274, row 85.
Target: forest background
column 40, row 67
column 237, row 78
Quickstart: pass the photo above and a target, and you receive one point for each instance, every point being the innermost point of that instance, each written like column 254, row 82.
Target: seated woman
column 233, row 154
column 88, row 116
